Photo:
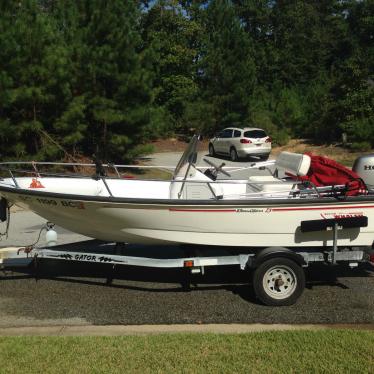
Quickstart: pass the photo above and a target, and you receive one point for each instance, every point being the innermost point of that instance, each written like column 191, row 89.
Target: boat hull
column 226, row 223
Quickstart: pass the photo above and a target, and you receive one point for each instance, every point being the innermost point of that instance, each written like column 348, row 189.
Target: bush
column 361, row 146
column 281, row 137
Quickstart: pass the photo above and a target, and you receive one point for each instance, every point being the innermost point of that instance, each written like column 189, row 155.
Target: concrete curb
column 118, row 330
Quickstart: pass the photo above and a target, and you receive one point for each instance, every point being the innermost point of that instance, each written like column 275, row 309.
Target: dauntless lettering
column 241, row 210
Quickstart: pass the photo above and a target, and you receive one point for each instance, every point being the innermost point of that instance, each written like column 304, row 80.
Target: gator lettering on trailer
column 85, row 257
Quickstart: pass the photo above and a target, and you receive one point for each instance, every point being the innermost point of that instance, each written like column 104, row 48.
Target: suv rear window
column 255, row 134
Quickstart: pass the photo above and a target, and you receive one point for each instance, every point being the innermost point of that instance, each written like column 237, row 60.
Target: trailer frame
column 289, row 262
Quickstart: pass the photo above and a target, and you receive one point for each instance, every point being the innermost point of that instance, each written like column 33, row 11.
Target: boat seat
column 293, row 163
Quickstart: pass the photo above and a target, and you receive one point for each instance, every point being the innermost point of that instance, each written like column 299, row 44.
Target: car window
column 227, row 133
column 255, row 134
column 237, row 134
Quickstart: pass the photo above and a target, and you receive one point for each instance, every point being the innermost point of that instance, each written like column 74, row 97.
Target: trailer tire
column 278, row 281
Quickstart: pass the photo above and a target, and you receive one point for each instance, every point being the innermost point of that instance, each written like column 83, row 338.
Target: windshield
column 189, row 157
column 255, row 134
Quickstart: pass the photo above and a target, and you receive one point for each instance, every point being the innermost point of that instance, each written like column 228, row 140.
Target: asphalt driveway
column 63, row 293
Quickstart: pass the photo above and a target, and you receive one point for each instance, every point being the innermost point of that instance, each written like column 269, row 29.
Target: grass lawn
column 328, row 351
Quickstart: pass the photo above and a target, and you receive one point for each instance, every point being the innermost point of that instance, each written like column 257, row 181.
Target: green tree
column 116, row 78
column 33, row 61
column 226, row 67
column 356, row 94
column 174, row 37
column 256, row 18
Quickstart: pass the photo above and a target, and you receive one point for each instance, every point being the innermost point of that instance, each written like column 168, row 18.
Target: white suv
column 245, row 142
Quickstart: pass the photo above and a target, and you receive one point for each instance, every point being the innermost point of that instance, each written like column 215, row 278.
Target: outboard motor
column 364, row 167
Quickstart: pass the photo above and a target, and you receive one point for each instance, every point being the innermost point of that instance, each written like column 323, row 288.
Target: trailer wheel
column 279, row 281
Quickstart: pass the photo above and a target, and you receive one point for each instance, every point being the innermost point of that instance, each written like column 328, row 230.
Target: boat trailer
column 278, row 276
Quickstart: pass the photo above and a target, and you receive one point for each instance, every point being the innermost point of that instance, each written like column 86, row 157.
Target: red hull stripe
column 204, row 210
column 324, row 208
column 273, row 209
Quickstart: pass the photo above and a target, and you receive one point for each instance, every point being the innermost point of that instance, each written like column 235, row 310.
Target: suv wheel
column 211, row 150
column 233, row 154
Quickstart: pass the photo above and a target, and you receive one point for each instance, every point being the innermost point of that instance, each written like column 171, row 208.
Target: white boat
column 192, row 207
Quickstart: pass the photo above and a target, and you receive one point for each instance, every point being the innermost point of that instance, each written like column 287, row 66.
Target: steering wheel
column 218, row 169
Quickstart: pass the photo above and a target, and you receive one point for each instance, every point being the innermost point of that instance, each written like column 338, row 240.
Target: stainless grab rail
column 301, row 192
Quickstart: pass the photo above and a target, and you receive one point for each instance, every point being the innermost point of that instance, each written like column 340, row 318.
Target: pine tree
column 226, row 67
column 355, row 103
column 110, row 110
column 173, row 35
column 32, row 79
column 114, row 77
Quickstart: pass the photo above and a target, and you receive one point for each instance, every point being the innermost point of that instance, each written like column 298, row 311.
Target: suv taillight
column 268, row 139
column 245, row 141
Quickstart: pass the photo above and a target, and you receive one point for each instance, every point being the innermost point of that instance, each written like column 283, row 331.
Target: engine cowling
column 364, row 167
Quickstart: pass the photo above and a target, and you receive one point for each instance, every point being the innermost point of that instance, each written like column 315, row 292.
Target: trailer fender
column 273, row 252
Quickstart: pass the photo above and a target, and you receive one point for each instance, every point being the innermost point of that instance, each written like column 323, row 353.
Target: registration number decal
column 64, row 203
